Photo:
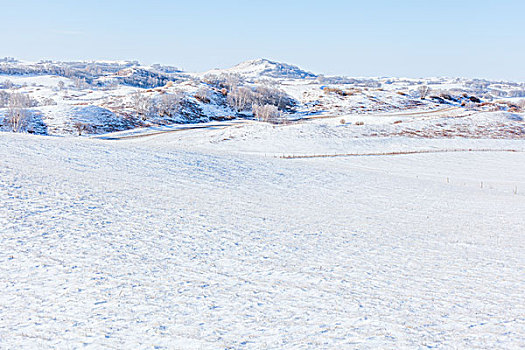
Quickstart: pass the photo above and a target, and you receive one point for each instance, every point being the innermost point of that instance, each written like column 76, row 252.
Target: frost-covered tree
column 8, row 84
column 141, row 104
column 80, row 83
column 227, row 81
column 521, row 104
column 423, row 91
column 267, row 113
column 269, row 95
column 81, row 127
column 240, row 98
column 4, row 99
column 204, row 94
column 168, row 105
column 17, row 113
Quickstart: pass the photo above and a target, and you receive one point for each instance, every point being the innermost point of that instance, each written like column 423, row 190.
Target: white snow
column 187, row 240
column 312, row 234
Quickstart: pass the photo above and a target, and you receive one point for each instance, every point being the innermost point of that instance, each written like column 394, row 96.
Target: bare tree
column 268, row 94
column 231, row 81
column 240, row 98
column 17, row 113
column 141, row 105
column 204, row 94
column 213, row 80
column 81, row 127
column 169, row 104
column 423, row 91
column 80, row 83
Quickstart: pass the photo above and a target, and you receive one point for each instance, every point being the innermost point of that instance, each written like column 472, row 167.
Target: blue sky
column 359, row 38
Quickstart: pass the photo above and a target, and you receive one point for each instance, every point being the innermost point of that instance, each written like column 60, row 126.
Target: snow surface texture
column 186, row 240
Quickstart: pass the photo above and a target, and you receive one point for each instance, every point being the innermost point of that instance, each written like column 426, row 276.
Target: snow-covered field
column 204, row 239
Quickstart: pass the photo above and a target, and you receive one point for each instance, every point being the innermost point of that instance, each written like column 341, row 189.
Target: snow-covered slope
column 368, row 213
column 164, row 242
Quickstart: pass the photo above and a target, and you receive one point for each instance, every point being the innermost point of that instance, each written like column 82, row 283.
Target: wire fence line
column 294, row 156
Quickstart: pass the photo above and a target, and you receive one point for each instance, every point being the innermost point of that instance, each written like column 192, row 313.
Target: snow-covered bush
column 267, row 113
column 204, row 94
column 165, row 105
column 521, row 104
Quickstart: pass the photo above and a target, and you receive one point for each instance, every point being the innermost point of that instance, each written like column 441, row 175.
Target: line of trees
column 86, row 74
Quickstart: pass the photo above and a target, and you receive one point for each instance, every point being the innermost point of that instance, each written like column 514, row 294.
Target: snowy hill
column 263, row 68
column 110, row 96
